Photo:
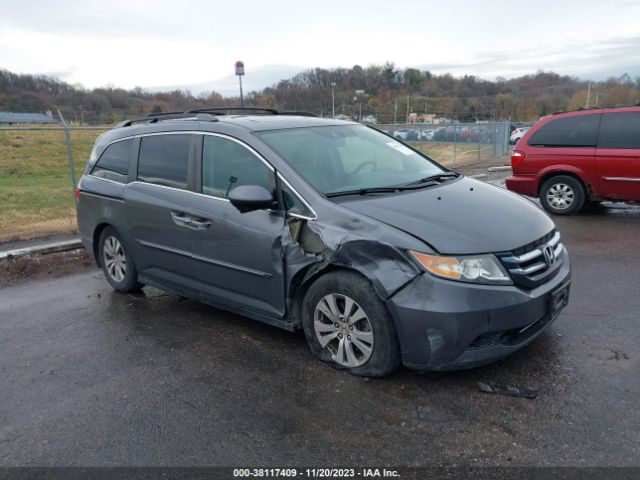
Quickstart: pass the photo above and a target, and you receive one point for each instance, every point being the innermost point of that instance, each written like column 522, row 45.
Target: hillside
column 383, row 91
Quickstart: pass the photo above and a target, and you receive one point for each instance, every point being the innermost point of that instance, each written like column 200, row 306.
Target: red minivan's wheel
column 562, row 195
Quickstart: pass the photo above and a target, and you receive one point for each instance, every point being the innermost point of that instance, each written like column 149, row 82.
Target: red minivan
column 569, row 159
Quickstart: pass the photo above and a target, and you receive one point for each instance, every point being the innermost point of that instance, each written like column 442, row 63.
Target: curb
column 52, row 247
column 499, row 169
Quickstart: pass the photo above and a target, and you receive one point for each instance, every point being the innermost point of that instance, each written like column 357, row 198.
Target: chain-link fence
column 37, row 166
column 458, row 144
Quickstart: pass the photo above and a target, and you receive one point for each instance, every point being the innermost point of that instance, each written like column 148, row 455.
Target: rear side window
column 620, row 130
column 113, row 164
column 578, row 131
column 226, row 164
column 164, row 160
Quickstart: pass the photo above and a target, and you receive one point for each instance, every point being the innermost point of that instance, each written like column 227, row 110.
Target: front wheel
column 117, row 265
column 562, row 195
column 349, row 327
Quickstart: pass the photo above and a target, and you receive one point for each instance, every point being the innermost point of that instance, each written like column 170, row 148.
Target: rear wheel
column 117, row 265
column 349, row 327
column 562, row 195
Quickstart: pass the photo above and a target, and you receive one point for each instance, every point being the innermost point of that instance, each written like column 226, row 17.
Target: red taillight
column 516, row 158
column 77, row 193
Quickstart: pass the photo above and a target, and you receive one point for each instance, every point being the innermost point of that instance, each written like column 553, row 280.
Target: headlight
column 475, row 268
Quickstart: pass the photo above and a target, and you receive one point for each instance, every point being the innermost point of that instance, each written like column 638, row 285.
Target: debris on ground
column 29, row 267
column 508, row 391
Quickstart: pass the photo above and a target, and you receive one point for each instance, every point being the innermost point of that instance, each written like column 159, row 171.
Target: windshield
column 351, row 157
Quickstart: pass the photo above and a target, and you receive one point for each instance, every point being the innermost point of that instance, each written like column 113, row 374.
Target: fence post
column 455, row 144
column 478, row 157
column 72, row 169
column 495, row 141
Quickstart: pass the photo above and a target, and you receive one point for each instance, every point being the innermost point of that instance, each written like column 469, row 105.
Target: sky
column 190, row 43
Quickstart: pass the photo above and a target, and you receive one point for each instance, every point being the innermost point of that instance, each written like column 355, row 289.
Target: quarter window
column 292, row 202
column 578, row 131
column 113, row 164
column 164, row 160
column 226, row 164
column 620, row 130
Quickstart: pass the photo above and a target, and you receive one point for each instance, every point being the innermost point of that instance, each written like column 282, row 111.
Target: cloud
column 585, row 59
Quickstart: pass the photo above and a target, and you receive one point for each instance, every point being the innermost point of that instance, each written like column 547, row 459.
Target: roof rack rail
column 206, row 114
column 581, row 109
column 256, row 110
column 156, row 117
column 222, row 110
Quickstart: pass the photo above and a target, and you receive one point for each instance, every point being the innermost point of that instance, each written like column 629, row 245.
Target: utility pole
column 588, row 95
column 407, row 119
column 333, row 100
column 395, row 111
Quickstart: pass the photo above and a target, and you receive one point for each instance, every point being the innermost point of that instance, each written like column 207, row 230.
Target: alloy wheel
column 114, row 259
column 343, row 328
column 560, row 196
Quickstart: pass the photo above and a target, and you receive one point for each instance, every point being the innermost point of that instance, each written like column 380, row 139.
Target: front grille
column 530, row 266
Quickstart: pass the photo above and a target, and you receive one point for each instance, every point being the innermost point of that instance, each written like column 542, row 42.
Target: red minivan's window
column 620, row 130
column 577, row 131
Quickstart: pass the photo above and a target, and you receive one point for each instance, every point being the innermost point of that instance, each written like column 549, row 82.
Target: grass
column 456, row 155
column 36, row 197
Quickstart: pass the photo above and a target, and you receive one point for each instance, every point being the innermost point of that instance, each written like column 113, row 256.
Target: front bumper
column 446, row 325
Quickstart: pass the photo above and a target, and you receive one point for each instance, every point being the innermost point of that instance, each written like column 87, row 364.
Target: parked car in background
column 572, row 159
column 400, row 134
column 440, row 134
column 427, row 135
column 469, row 135
column 380, row 255
column 517, row 134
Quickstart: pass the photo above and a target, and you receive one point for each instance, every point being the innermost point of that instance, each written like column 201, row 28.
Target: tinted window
column 620, row 130
column 292, row 202
column 113, row 164
column 227, row 164
column 579, row 131
column 164, row 160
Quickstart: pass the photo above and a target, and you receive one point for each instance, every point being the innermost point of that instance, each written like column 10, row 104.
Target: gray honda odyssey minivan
column 379, row 254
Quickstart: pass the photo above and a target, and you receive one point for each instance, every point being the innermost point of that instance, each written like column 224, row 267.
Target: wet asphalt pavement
column 93, row 378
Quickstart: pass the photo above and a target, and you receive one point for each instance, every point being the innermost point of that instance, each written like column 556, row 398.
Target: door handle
column 189, row 221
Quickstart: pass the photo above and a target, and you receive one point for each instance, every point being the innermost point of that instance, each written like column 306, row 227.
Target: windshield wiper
column 364, row 191
column 434, row 178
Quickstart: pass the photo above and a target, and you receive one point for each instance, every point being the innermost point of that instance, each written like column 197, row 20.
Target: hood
column 463, row 216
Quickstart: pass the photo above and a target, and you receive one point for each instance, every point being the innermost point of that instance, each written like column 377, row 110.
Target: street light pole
column 333, row 100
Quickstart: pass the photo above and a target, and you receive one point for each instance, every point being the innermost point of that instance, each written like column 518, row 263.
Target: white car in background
column 517, row 134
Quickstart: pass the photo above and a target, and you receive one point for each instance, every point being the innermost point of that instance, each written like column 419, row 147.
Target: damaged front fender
column 311, row 248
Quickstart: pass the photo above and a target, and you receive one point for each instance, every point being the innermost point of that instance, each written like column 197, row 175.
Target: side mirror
column 247, row 198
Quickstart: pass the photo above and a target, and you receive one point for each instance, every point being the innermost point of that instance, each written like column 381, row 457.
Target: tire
column 117, row 265
column 562, row 195
column 374, row 351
